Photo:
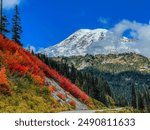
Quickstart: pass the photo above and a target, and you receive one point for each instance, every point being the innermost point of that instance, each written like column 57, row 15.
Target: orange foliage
column 4, row 82
column 3, row 77
column 52, row 89
column 62, row 96
column 38, row 79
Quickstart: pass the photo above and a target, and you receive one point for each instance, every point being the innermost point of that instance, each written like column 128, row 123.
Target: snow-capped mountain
column 86, row 41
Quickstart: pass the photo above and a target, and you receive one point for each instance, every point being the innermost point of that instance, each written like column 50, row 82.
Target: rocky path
column 79, row 104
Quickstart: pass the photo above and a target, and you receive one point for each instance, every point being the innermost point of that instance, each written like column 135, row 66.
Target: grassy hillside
column 23, row 94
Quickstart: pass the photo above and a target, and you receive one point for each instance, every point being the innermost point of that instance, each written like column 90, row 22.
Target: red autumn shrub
column 3, row 77
column 61, row 96
column 19, row 68
column 38, row 79
column 4, row 82
column 72, row 103
column 52, row 89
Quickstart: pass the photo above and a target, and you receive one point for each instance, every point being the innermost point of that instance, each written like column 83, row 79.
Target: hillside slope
column 95, row 87
column 128, row 75
column 29, row 85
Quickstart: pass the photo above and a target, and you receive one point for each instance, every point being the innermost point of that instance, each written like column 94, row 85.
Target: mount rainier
column 86, row 41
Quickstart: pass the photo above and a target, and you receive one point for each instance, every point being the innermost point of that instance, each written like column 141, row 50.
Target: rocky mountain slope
column 128, row 61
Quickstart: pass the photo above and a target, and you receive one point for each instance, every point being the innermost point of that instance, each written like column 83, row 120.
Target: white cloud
column 139, row 31
column 10, row 3
column 103, row 20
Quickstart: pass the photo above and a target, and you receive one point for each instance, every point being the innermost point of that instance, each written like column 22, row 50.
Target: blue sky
column 47, row 22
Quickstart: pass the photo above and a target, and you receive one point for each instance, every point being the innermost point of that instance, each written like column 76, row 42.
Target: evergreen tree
column 3, row 25
column 3, row 20
column 16, row 29
column 140, row 102
column 1, row 14
column 73, row 73
column 29, row 49
column 134, row 97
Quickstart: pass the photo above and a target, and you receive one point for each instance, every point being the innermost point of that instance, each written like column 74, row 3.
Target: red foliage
column 3, row 77
column 38, row 79
column 19, row 60
column 19, row 68
column 62, row 96
column 72, row 103
column 4, row 82
column 52, row 89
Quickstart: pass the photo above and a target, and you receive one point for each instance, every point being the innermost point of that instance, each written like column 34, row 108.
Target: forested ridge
column 127, row 75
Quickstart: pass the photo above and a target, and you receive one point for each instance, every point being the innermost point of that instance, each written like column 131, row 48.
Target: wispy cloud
column 139, row 31
column 103, row 20
column 10, row 3
column 112, row 42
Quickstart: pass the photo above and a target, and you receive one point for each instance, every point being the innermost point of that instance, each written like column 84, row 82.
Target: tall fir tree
column 3, row 26
column 3, row 20
column 1, row 14
column 16, row 29
column 134, row 96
